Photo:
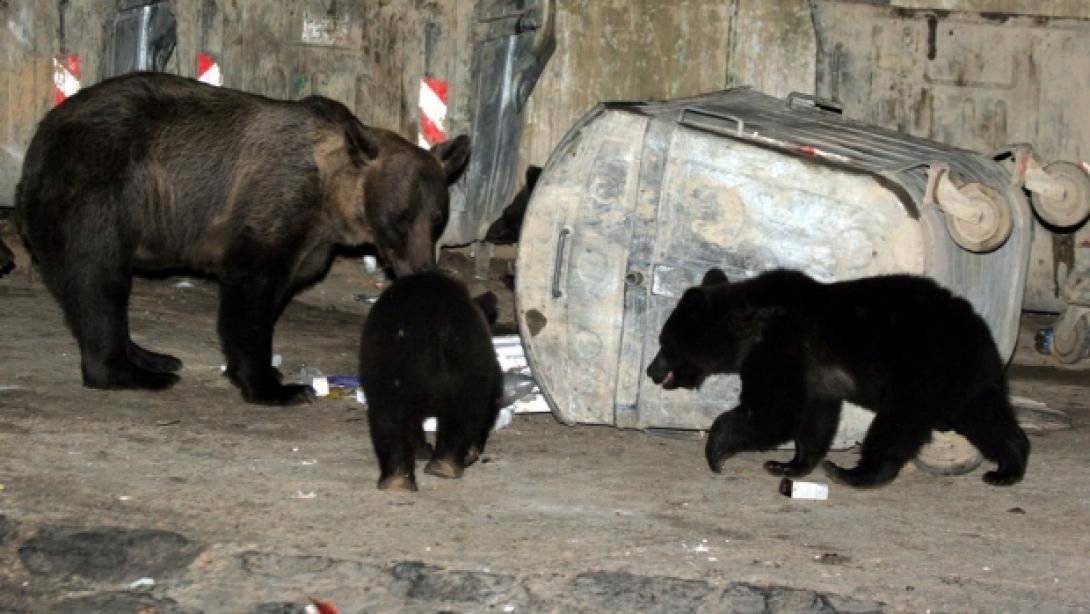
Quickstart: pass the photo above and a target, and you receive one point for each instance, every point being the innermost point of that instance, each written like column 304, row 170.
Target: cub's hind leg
column 890, row 442
column 989, row 423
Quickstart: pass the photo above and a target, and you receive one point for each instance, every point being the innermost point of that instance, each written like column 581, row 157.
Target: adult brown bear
column 158, row 171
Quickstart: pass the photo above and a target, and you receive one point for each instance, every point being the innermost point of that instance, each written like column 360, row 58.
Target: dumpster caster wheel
column 992, row 226
column 948, row 454
column 1070, row 208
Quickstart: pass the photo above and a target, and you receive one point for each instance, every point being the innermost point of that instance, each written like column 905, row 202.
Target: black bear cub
column 427, row 351
column 901, row 346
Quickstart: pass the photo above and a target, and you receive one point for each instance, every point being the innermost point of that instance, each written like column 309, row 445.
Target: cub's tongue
column 668, row 382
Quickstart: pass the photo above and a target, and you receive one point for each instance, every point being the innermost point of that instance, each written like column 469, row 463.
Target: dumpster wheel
column 948, row 453
column 990, row 230
column 1073, row 206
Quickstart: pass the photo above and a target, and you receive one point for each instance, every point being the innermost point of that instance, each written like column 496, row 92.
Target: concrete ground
column 228, row 507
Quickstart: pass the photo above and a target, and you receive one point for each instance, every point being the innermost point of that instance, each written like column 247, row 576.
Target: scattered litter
column 804, row 490
column 370, row 299
column 512, row 358
column 168, row 422
column 124, row 498
column 9, row 387
column 317, row 606
column 370, row 264
column 1, row 488
column 144, row 583
column 304, row 495
column 308, row 462
column 1037, row 417
column 509, row 608
column 1016, row 510
column 185, row 284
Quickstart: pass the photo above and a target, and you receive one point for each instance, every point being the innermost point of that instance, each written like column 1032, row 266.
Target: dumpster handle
column 558, row 264
column 799, row 99
column 739, row 123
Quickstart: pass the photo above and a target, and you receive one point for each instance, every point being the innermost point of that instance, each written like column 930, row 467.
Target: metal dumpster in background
column 639, row 200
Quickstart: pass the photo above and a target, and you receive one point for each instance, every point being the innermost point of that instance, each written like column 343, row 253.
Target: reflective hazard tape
column 66, row 76
column 208, row 71
column 433, row 112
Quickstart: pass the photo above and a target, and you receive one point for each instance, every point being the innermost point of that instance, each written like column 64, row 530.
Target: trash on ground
column 317, row 606
column 144, row 583
column 804, row 490
column 9, row 387
column 304, row 495
column 1037, row 417
column 184, row 284
column 512, row 358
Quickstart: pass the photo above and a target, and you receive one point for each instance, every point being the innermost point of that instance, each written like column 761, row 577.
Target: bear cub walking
column 901, row 346
column 427, row 351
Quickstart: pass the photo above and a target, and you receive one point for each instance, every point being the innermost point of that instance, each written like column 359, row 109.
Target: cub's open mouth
column 668, row 382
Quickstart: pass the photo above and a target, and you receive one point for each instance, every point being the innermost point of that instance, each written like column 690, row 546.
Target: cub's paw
column 398, row 483
column 472, row 455
column 790, row 470
column 838, row 474
column 996, row 478
column 277, row 394
column 131, row 377
column 444, row 468
column 856, row 477
column 153, row 361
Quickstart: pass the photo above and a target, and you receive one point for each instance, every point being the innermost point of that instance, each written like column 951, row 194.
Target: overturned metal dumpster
column 638, row 200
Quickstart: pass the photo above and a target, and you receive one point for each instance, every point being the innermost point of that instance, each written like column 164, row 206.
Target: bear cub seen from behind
column 901, row 346
column 427, row 351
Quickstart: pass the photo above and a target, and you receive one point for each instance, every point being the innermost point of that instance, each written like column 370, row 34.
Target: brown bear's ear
column 453, row 155
column 362, row 145
column 713, row 277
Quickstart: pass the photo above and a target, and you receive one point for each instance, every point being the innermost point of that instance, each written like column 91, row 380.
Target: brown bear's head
column 407, row 199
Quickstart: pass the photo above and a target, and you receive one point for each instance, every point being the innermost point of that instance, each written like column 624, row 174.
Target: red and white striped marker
column 433, row 112
column 66, row 76
column 208, row 71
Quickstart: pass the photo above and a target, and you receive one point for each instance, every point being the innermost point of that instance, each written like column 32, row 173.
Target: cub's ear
column 713, row 277
column 695, row 304
column 453, row 155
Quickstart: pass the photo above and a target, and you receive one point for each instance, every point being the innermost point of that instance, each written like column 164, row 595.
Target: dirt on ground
column 190, row 500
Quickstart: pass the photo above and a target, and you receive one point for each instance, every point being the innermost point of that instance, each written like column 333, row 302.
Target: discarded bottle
column 804, row 490
column 1042, row 341
column 515, row 386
